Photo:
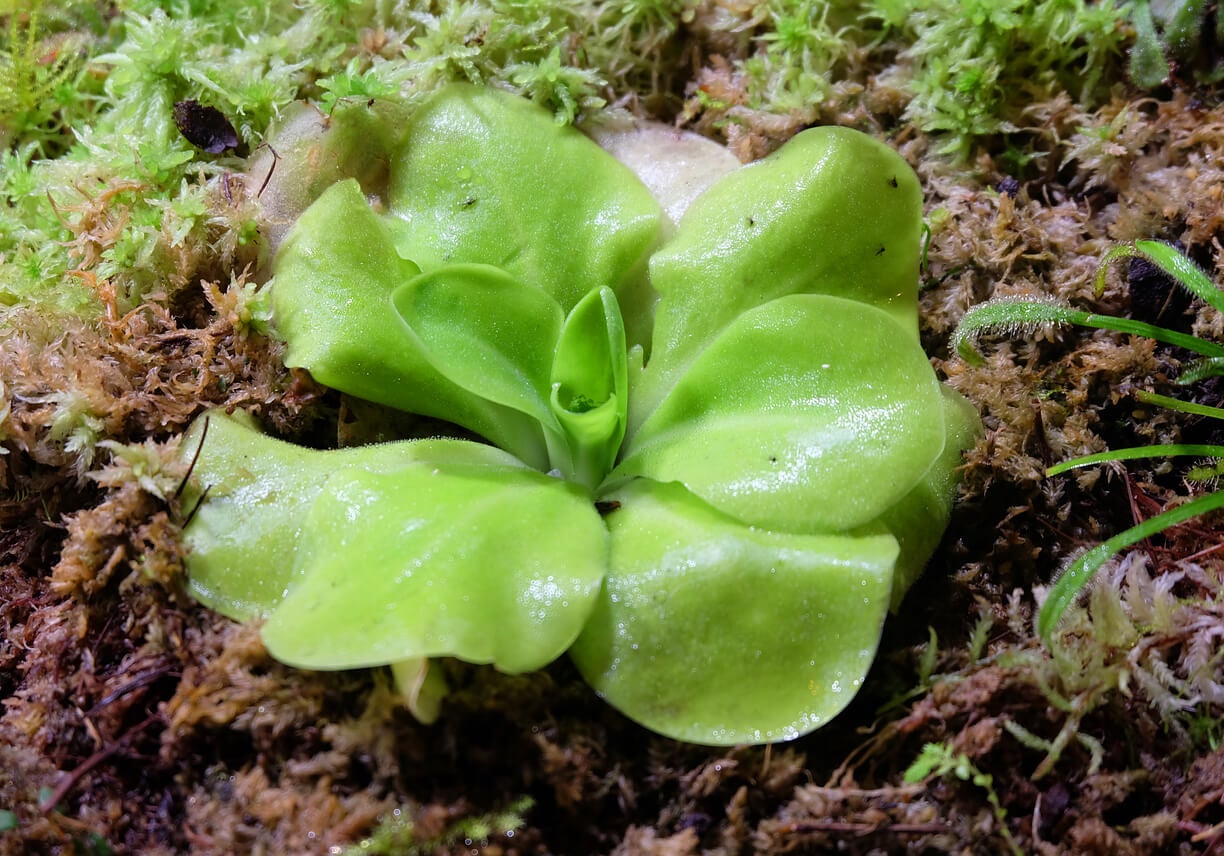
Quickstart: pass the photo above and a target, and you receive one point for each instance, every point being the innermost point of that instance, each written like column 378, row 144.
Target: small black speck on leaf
column 892, row 182
column 205, row 127
column 880, row 251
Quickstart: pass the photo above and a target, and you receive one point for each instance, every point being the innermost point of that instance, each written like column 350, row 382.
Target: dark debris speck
column 205, row 127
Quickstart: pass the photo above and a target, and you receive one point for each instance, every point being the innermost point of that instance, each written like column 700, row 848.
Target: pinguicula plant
column 1014, row 314
column 712, row 453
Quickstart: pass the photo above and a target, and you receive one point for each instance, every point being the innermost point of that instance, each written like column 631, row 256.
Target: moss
column 958, row 71
column 972, row 66
column 964, row 71
column 45, row 89
column 399, row 835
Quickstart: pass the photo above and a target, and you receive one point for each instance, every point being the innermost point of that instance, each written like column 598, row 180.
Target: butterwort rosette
column 711, row 454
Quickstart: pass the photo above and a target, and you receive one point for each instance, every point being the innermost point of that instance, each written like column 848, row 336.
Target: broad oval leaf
column 485, row 176
column 919, row 518
column 808, row 414
column 713, row 632
column 487, row 332
column 331, row 300
column 833, row 211
column 243, row 539
column 446, row 561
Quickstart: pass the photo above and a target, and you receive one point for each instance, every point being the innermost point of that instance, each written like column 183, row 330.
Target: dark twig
column 196, row 507
column 271, row 169
column 140, row 681
column 194, row 458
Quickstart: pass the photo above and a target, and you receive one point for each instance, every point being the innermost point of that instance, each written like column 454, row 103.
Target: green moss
column 800, row 49
column 967, row 68
column 44, row 87
column 93, row 88
column 942, row 761
column 976, row 64
column 397, row 835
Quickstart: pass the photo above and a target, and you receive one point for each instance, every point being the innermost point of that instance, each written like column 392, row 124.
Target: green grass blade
column 1201, row 370
column 1179, row 405
column 1151, row 331
column 1160, row 451
column 1171, row 262
column 1182, row 269
column 1014, row 316
column 1078, row 574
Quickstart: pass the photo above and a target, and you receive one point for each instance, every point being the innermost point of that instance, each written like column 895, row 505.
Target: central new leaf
column 590, row 385
column 714, row 530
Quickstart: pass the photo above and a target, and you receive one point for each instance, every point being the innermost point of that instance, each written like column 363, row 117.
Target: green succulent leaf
column 831, row 212
column 441, row 561
column 332, row 302
column 487, row 332
column 713, row 632
column 376, row 554
column 245, row 535
column 484, row 176
column 808, row 414
column 919, row 519
column 590, row 388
